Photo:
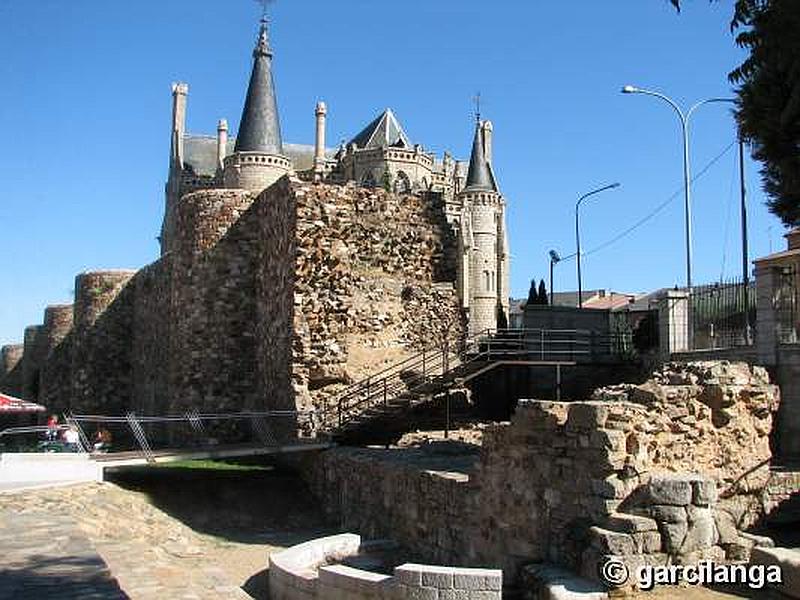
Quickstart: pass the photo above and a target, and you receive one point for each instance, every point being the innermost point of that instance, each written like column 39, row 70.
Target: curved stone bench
column 305, row 572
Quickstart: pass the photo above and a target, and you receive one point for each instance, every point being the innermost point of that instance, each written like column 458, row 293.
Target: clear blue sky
column 85, row 115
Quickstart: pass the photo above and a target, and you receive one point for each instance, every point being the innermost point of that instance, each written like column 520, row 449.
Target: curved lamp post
column 687, row 181
column 578, row 235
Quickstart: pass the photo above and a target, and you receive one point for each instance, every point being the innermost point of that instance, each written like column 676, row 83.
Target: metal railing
column 436, row 368
column 147, row 435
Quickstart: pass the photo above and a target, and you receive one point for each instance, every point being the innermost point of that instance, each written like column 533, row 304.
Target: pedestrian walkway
column 98, row 541
column 48, row 556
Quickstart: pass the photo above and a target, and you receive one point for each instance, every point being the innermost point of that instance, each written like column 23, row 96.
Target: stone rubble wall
column 11, row 369
column 31, row 362
column 102, row 330
column 369, row 272
column 273, row 301
column 56, row 371
column 672, row 468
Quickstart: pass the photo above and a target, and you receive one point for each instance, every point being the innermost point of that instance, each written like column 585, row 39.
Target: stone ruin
column 670, row 471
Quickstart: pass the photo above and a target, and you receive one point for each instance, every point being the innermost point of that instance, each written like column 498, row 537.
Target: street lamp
column 687, row 181
column 554, row 258
column 578, row 235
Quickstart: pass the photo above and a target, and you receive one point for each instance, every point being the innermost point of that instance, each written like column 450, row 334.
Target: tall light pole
column 687, row 179
column 578, row 235
column 554, row 259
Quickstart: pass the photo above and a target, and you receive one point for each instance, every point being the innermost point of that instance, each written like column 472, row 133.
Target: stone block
column 671, row 490
column 704, row 492
column 408, row 574
column 438, row 577
column 702, row 532
column 410, row 592
column 585, row 416
column 628, row 523
column 478, row 579
column 612, row 542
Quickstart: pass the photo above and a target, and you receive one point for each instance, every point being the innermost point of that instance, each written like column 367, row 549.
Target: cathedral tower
column 258, row 160
column 483, row 272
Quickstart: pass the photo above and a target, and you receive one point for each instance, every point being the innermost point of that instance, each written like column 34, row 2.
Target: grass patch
column 213, row 465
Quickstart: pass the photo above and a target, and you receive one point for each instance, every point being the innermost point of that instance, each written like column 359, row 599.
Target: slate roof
column 479, row 176
column 200, row 154
column 385, row 131
column 260, row 128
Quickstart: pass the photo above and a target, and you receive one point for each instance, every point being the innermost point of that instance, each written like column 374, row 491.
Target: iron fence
column 723, row 315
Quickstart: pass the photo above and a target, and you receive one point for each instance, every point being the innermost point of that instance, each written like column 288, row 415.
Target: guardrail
column 441, row 365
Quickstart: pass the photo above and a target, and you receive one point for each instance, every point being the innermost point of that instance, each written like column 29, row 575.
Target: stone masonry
column 669, row 470
column 259, row 302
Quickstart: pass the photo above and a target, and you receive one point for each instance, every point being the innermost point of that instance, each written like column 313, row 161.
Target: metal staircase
column 385, row 398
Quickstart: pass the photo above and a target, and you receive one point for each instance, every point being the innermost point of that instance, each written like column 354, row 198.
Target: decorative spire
column 260, row 129
column 262, row 46
column 479, row 176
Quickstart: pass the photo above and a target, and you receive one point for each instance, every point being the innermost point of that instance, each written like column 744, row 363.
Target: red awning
column 9, row 404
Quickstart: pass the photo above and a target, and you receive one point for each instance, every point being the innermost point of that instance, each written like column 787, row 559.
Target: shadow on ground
column 59, row 577
column 246, row 501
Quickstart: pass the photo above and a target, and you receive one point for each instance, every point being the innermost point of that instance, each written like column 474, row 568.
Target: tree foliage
column 768, row 96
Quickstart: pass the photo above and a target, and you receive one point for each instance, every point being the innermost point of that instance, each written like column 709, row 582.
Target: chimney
column 486, row 131
column 319, row 148
column 222, row 143
column 179, row 93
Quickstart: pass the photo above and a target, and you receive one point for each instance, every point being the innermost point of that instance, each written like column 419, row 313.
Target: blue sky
column 85, row 112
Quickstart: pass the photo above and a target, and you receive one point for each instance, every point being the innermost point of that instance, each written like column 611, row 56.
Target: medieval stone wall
column 213, row 300
column 56, row 371
column 257, row 303
column 572, row 482
column 101, row 346
column 31, row 362
column 11, row 369
column 369, row 276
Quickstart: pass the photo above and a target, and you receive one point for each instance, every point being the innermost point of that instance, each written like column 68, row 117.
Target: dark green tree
column 542, row 293
column 768, row 96
column 533, row 296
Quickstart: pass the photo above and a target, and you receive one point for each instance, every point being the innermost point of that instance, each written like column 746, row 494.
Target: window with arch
column 487, row 281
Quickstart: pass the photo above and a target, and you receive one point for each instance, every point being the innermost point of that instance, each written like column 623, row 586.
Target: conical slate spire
column 260, row 128
column 479, row 176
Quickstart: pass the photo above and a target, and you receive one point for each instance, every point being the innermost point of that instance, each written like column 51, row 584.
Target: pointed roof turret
column 479, row 176
column 383, row 132
column 260, row 128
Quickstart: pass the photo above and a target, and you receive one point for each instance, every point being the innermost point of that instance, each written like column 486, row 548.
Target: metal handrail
column 439, row 364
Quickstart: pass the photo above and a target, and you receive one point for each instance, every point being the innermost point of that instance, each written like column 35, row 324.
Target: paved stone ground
column 67, row 542
column 50, row 558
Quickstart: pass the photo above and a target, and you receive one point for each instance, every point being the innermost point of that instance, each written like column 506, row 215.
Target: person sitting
column 71, row 439
column 102, row 440
column 52, row 428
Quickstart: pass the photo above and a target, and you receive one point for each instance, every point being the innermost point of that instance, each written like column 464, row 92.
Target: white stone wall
column 484, row 264
column 254, row 171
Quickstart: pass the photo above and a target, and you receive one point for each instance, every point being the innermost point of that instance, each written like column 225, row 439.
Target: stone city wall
column 11, row 369
column 267, row 302
column 56, row 371
column 102, row 333
column 558, row 470
column 31, row 362
column 369, row 272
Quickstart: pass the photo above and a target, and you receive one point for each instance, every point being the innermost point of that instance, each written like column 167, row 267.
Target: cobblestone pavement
column 100, row 541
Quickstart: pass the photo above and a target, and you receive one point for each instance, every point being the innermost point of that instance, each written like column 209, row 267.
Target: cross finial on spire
column 477, row 100
column 264, row 4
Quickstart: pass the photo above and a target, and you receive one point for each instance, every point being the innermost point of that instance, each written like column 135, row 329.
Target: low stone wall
column 304, row 572
column 670, row 469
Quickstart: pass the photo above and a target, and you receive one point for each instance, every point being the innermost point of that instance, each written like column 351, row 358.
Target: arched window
column 402, row 184
column 487, row 281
